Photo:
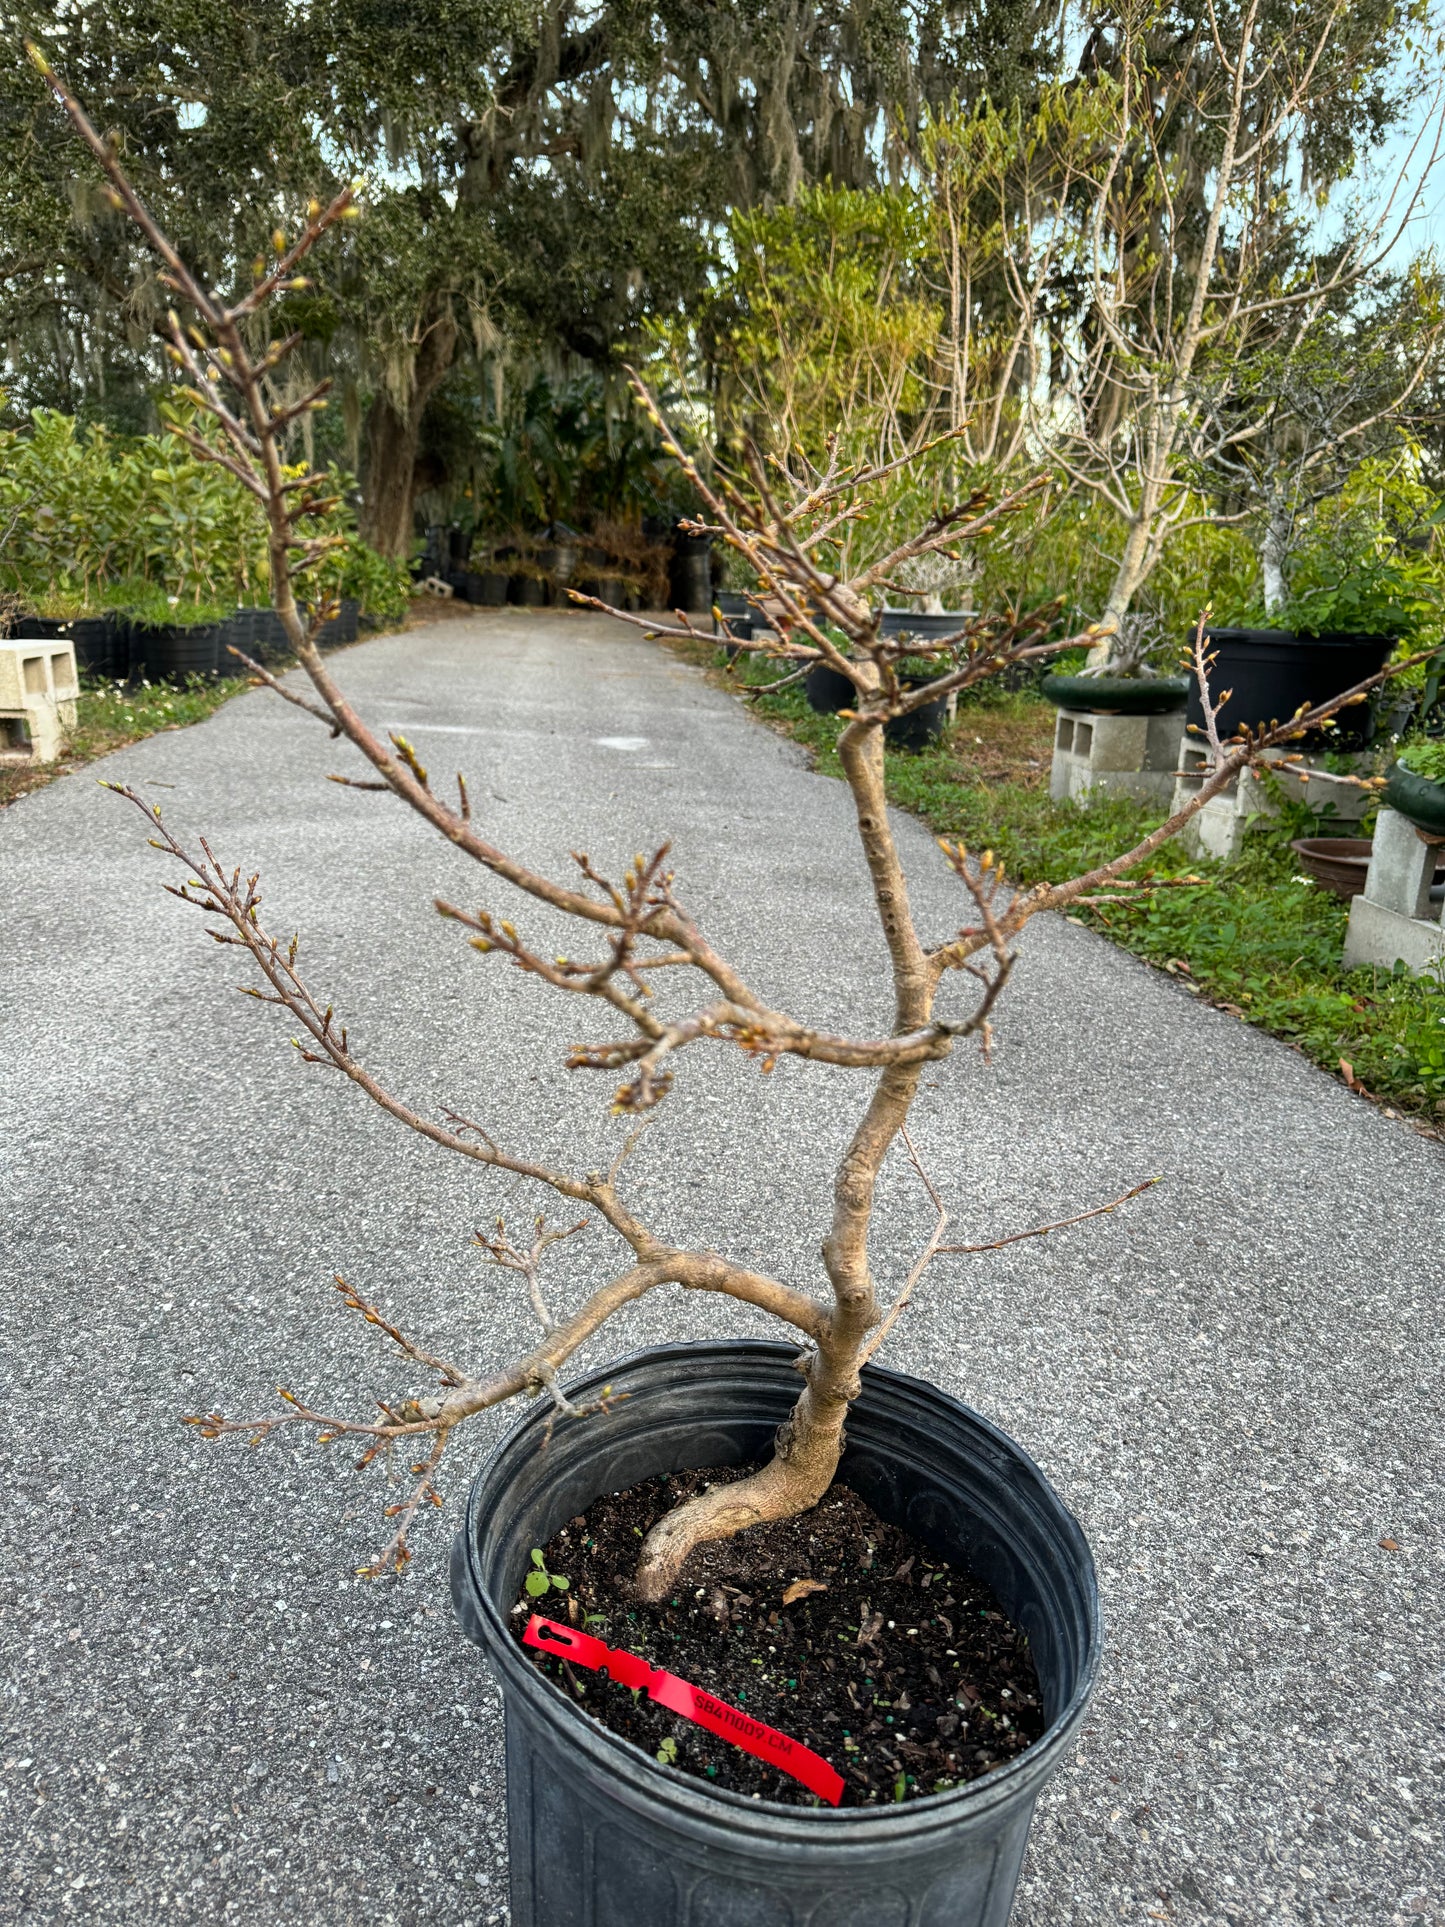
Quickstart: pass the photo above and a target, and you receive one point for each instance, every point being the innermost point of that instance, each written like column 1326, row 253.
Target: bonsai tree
column 644, row 960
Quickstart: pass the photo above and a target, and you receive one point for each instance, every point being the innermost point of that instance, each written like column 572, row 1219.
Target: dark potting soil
column 835, row 1628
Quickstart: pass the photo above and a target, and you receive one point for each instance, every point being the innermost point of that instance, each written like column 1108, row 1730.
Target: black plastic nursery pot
column 1419, row 800
column 559, row 562
column 268, row 638
column 238, row 631
column 828, row 690
column 342, row 627
column 924, row 625
column 528, row 591
column 601, row 1834
column 163, row 650
column 487, row 589
column 689, row 576
column 1272, row 673
column 737, row 614
column 606, row 588
column 919, row 728
column 1118, row 695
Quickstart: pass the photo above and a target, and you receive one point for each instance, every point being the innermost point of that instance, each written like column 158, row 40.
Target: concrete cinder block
column 39, row 686
column 1218, row 829
column 1114, row 755
column 30, row 735
column 1402, row 866
column 1379, row 936
column 1395, row 920
column 34, row 671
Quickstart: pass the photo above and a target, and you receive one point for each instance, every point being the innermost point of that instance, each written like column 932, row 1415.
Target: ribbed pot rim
column 864, row 1827
column 1306, row 638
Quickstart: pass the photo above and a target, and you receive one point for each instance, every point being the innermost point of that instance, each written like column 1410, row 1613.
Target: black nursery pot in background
column 924, row 625
column 1272, row 673
column 920, row 727
column 341, row 628
column 171, row 651
column 737, row 613
column 484, row 588
column 601, row 1834
column 268, row 637
column 828, row 690
column 689, row 575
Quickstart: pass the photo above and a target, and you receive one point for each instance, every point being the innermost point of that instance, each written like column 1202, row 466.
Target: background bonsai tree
column 649, row 965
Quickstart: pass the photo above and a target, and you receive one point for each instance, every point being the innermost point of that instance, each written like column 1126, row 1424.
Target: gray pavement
column 1236, row 1384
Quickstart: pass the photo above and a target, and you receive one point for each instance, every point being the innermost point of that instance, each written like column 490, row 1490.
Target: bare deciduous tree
column 648, row 951
column 1185, row 282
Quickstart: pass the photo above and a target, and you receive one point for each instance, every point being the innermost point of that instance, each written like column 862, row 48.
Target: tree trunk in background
column 391, row 449
column 393, row 438
column 1129, row 577
column 1275, row 547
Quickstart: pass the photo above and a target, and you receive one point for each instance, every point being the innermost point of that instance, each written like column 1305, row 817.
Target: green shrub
column 91, row 520
column 381, row 585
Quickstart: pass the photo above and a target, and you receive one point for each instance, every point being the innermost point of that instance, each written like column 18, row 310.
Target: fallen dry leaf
column 1352, row 1083
column 800, row 1588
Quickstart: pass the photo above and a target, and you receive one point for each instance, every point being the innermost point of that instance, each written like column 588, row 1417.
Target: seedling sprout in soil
column 644, row 959
column 539, row 1581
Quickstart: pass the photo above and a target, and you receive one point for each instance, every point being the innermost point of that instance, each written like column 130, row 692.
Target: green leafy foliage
column 1366, row 561
column 822, row 321
column 380, row 583
column 91, row 520
column 1425, row 759
column 545, row 181
column 567, row 451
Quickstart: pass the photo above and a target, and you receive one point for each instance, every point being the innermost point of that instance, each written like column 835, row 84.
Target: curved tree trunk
column 393, row 437
column 809, row 1445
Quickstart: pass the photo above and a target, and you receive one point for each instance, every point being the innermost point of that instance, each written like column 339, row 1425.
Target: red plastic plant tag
column 678, row 1696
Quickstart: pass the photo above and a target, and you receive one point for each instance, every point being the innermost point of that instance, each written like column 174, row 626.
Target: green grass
column 110, row 715
column 1255, row 938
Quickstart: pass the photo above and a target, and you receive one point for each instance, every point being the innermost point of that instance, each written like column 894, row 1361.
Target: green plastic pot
column 1417, row 798
column 1117, row 695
